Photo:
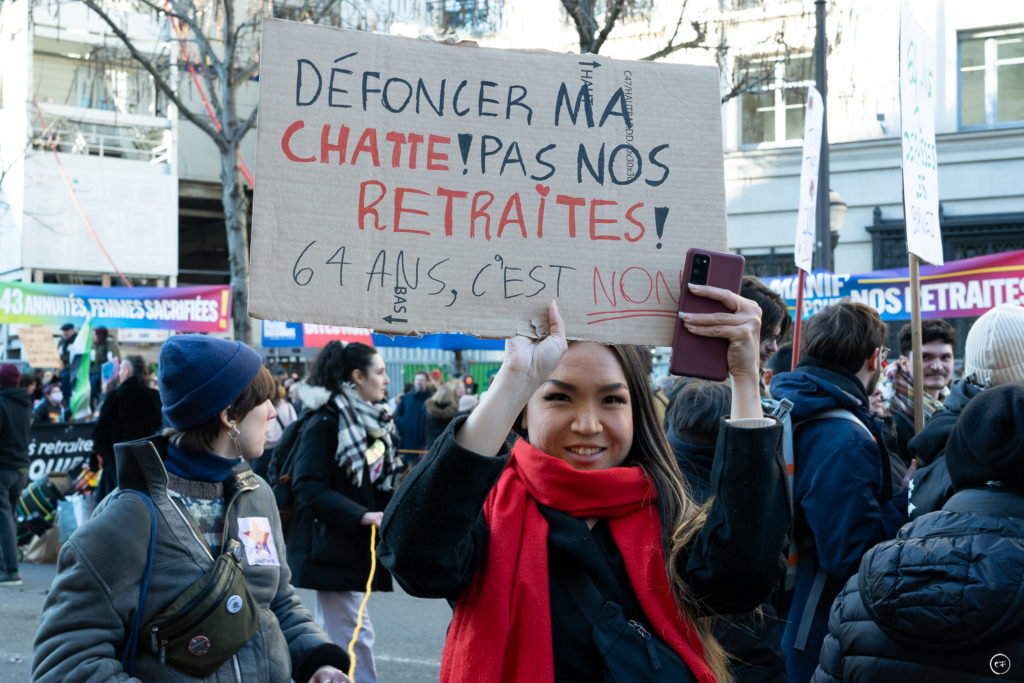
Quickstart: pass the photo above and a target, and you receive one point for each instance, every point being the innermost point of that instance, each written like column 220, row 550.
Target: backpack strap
column 130, row 646
column 842, row 414
column 807, row 616
column 814, row 596
column 780, row 410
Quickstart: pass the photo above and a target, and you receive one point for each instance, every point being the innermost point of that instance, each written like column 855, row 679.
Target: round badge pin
column 199, row 646
column 234, row 604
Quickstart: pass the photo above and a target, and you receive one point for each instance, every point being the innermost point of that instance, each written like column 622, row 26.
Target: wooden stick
column 915, row 324
column 799, row 318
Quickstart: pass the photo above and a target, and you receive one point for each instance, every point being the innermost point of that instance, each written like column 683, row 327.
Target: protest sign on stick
column 917, row 121
column 920, row 172
column 814, row 115
column 410, row 186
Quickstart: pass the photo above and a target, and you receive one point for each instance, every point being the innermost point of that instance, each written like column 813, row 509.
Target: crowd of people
column 586, row 520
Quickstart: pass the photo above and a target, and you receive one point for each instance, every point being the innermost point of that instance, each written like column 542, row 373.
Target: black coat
column 941, row 602
column 328, row 549
column 435, row 537
column 15, row 424
column 753, row 641
column 409, row 419
column 130, row 412
column 931, row 485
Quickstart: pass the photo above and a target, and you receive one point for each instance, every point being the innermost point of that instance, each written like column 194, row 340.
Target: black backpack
column 279, row 470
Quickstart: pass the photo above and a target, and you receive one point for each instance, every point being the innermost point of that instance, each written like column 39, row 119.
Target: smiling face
column 253, row 429
column 583, row 413
column 937, row 363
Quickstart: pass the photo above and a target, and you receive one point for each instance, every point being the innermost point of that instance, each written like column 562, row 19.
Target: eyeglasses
column 883, row 353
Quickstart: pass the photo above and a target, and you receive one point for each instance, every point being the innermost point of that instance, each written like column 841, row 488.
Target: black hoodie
column 15, row 421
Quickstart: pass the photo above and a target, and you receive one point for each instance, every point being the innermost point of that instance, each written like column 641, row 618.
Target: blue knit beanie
column 201, row 376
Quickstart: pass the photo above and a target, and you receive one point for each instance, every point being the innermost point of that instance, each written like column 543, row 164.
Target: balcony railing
column 102, row 133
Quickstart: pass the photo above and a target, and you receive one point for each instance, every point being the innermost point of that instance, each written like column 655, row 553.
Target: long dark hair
column 336, row 362
column 681, row 516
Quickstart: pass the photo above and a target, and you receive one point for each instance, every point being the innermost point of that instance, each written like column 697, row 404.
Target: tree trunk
column 236, row 222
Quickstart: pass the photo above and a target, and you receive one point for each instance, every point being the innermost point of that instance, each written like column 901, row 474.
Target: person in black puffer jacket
column 943, row 601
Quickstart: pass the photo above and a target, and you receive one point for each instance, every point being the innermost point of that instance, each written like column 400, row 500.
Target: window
column 768, row 265
column 774, row 92
column 992, row 77
column 465, row 16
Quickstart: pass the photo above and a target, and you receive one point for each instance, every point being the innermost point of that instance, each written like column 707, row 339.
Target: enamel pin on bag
column 208, row 623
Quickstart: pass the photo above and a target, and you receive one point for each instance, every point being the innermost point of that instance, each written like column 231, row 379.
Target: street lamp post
column 823, row 238
column 836, row 215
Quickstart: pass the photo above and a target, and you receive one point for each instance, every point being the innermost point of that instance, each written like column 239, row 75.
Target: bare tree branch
column 246, row 72
column 584, row 22
column 698, row 42
column 609, row 24
column 196, row 32
column 247, row 25
column 158, row 78
column 249, row 122
column 322, row 12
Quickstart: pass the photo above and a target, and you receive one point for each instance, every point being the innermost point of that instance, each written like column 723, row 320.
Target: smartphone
column 706, row 357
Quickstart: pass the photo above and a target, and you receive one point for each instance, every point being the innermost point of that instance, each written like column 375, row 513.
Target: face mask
column 56, row 396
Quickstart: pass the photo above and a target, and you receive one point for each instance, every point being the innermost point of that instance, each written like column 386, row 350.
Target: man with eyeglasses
column 847, row 489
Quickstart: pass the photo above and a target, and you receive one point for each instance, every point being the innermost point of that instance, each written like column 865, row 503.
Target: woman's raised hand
column 527, row 364
column 535, row 359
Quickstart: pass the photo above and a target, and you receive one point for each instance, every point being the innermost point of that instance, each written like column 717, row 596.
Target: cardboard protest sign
column 39, row 347
column 410, row 186
column 917, row 119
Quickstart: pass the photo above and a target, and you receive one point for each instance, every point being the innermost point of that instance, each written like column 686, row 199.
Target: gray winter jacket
column 88, row 612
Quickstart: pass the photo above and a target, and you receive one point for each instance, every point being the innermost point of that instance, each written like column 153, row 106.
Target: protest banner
column 182, row 309
column 964, row 288
column 410, row 186
column 39, row 347
column 59, row 448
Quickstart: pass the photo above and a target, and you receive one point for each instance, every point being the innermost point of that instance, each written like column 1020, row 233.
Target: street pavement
column 410, row 632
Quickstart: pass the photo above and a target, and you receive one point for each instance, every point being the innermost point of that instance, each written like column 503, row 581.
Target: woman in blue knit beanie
column 216, row 398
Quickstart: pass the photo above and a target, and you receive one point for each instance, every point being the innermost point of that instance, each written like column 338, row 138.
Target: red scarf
column 501, row 630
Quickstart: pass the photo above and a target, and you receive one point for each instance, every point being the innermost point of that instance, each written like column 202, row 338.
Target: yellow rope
column 362, row 606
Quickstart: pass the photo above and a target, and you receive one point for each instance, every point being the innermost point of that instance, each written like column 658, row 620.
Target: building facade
column 150, row 181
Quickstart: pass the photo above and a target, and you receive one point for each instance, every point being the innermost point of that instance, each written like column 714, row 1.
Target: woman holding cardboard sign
column 580, row 556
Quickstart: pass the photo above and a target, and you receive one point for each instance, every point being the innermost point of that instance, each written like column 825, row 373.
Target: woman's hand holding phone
column 742, row 329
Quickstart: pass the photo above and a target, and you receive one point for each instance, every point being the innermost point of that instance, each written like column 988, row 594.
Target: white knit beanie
column 995, row 346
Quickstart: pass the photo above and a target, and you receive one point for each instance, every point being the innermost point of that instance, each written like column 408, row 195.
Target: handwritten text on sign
column 917, row 117
column 409, row 186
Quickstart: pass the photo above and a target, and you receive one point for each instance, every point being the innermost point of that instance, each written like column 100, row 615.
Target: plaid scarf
column 901, row 393
column 363, row 428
